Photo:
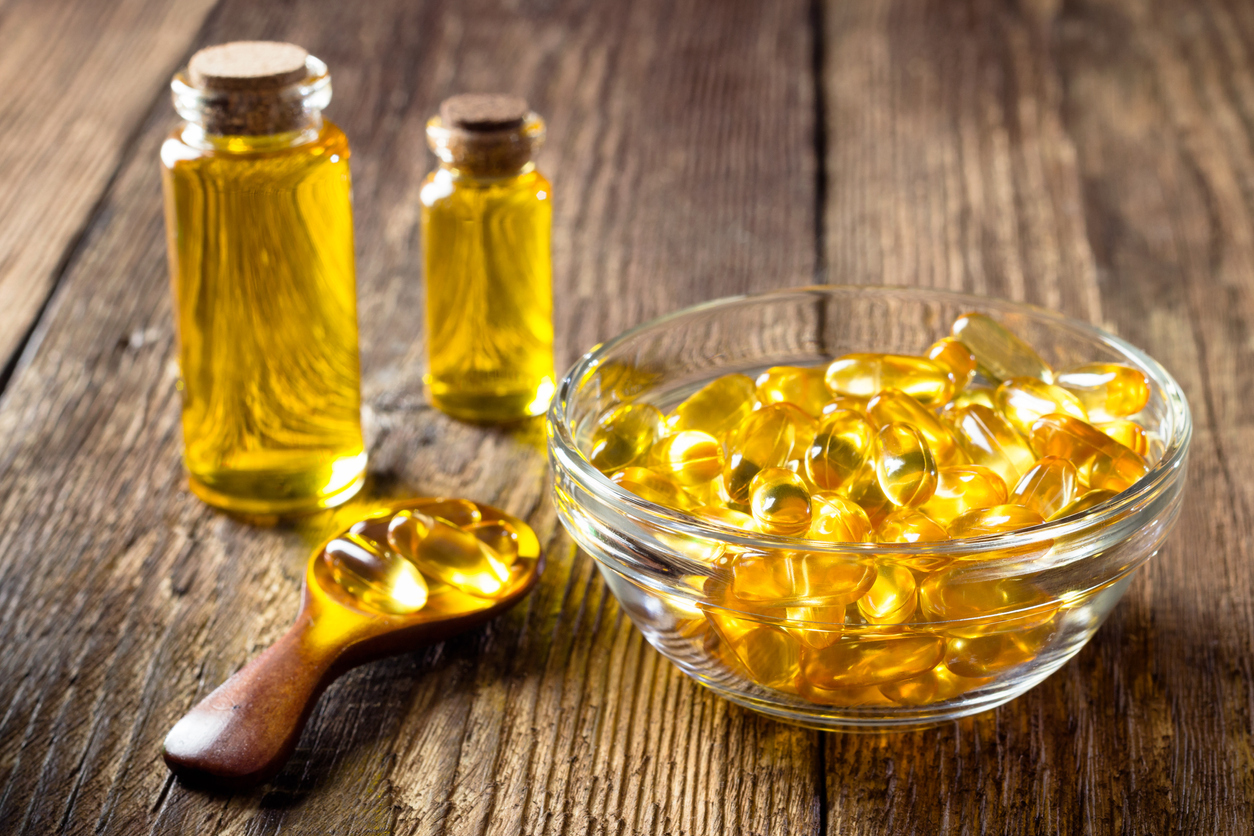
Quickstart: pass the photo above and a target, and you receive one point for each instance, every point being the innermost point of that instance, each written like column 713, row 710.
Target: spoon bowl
column 243, row 732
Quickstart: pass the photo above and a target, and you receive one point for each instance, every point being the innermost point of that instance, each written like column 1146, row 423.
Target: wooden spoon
column 242, row 733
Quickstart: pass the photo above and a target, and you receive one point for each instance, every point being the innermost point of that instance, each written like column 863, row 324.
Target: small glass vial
column 486, row 219
column 259, row 222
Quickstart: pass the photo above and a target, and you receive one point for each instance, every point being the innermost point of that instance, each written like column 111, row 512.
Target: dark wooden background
column 1094, row 156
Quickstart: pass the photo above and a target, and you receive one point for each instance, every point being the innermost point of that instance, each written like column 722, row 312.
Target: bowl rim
column 565, row 452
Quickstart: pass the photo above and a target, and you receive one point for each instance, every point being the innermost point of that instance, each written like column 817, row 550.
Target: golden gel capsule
column 865, row 374
column 815, row 626
column 624, row 435
column 842, row 697
column 842, row 445
column 1088, row 500
column 904, row 465
column 891, row 599
column 891, row 406
column 1099, row 459
column 717, row 407
column 1022, row 400
column 770, row 655
column 1128, row 433
column 774, row 436
column 780, row 502
column 996, row 652
column 459, row 512
column 800, row 579
column 853, row 403
column 1051, row 484
column 909, row 525
column 963, row 488
column 449, row 554
column 981, row 395
column 936, row 685
column 1107, row 390
column 998, row 352
column 863, row 661
column 499, row 536
column 865, row 490
column 690, row 457
column 837, row 519
column 655, row 487
column 379, row 578
column 989, row 441
column 978, row 606
column 954, row 358
column 998, row 519
column 801, row 386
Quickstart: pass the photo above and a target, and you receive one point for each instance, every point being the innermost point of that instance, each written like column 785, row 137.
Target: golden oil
column 486, row 220
column 260, row 231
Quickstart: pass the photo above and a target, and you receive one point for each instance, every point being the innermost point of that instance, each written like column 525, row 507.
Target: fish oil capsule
column 770, row 655
column 1022, row 400
column 995, row 652
column 449, row 554
column 891, row 406
column 379, row 578
column 1090, row 499
column 933, row 686
column 1107, row 390
column 459, row 512
column 690, row 457
column 624, row 436
column 499, row 536
column 998, row 519
column 989, row 441
column 1099, row 459
column 954, row 358
column 655, row 487
column 780, row 502
column 998, row 352
column 865, row 374
column 982, row 395
column 842, row 446
column 837, row 519
column 865, row 490
column 1128, row 433
column 1050, row 485
column 976, row 606
column 717, row 407
column 961, row 489
column 774, row 436
column 891, row 599
column 815, row 626
column 801, row 386
column 904, row 465
column 800, row 579
column 842, row 697
column 850, row 402
column 910, row 525
column 864, row 660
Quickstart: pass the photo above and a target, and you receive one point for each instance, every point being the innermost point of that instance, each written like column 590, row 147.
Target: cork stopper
column 254, row 88
column 484, row 111
column 485, row 134
column 248, row 65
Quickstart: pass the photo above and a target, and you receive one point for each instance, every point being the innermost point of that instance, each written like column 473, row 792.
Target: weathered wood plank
column 124, row 601
column 1094, row 159
column 78, row 77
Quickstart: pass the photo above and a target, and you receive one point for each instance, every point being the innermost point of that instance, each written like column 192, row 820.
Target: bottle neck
column 486, row 156
column 470, row 177
column 253, row 120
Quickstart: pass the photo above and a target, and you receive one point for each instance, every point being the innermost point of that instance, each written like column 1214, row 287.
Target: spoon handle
column 241, row 734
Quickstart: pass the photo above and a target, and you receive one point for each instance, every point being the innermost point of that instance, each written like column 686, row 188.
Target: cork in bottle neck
column 252, row 88
column 485, row 135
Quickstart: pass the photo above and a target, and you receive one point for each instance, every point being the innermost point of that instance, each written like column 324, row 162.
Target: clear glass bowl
column 1002, row 612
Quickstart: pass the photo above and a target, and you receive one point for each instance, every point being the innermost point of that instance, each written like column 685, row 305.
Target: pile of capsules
column 977, row 437
column 397, row 563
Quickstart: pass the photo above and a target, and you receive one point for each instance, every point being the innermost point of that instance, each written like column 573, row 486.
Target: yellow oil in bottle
column 261, row 255
column 486, row 219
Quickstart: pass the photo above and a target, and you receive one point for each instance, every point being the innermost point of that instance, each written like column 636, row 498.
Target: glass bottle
column 259, row 223
column 486, row 219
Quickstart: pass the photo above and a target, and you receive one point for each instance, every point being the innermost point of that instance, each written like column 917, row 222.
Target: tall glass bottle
column 260, row 228
column 486, row 219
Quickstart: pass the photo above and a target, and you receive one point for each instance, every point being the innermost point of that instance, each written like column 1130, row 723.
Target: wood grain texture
column 124, row 601
column 77, row 78
column 1094, row 158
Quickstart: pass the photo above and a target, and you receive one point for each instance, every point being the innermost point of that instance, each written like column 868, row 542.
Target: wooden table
column 1096, row 158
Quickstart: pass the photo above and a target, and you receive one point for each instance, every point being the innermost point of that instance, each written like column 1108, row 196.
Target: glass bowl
column 995, row 615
